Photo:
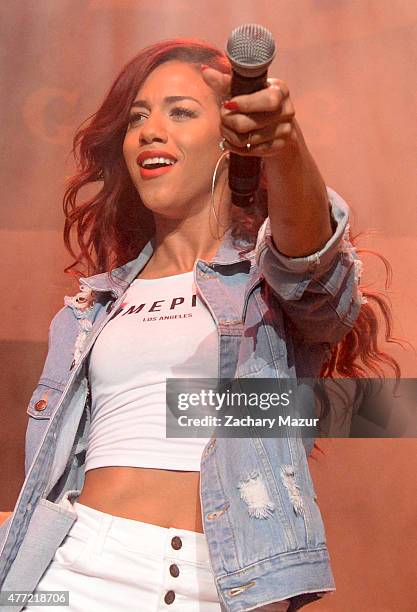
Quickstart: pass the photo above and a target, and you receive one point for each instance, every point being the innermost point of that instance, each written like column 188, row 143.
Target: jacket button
column 169, row 597
column 41, row 405
column 176, row 543
column 174, row 570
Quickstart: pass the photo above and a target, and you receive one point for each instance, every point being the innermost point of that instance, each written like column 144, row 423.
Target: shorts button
column 41, row 405
column 169, row 597
column 176, row 543
column 174, row 570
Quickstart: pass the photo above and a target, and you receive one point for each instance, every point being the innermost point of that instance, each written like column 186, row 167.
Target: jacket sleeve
column 318, row 292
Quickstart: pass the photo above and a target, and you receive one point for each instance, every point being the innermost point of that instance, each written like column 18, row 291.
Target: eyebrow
column 167, row 100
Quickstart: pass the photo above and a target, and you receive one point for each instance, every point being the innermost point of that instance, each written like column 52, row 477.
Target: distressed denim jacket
column 312, row 302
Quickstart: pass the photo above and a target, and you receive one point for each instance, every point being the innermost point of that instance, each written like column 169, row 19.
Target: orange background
column 350, row 66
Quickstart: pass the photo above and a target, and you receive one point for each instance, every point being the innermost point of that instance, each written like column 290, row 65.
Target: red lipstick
column 147, row 172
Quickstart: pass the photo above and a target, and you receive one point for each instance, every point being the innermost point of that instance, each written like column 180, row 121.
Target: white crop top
column 163, row 330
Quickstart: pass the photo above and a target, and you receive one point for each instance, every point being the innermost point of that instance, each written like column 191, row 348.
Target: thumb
column 218, row 81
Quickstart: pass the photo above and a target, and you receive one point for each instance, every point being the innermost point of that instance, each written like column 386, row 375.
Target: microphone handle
column 246, row 85
column 244, row 172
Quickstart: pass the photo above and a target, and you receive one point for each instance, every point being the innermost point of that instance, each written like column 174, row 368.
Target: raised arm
column 303, row 247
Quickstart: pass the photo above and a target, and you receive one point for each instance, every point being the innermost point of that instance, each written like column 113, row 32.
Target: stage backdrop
column 350, row 66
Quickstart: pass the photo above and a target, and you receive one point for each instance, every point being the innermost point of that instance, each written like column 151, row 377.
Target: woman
column 110, row 508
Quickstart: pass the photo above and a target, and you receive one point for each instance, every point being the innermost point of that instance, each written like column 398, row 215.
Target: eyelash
column 178, row 111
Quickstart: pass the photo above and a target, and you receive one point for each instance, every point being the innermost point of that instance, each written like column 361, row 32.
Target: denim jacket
column 288, row 331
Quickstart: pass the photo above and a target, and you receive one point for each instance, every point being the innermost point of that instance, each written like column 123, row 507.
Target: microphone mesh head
column 250, row 46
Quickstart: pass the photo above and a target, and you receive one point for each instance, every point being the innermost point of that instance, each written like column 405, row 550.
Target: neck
column 179, row 245
column 180, row 242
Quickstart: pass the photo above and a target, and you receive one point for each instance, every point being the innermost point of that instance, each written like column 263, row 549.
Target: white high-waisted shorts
column 109, row 563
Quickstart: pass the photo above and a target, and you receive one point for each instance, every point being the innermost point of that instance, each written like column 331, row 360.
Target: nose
column 153, row 130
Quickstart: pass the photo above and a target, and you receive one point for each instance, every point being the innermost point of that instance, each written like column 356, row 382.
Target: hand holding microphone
column 257, row 120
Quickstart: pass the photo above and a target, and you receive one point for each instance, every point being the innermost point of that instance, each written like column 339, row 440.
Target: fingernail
column 203, row 67
column 231, row 105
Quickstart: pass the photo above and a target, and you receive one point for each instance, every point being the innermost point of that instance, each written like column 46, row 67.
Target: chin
column 162, row 206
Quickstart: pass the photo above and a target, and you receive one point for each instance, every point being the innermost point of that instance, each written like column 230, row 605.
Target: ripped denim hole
column 288, row 478
column 254, row 493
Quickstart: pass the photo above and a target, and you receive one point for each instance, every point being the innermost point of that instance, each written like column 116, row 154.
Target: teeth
column 157, row 160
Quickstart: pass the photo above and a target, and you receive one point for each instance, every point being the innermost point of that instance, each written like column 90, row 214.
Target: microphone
column 250, row 49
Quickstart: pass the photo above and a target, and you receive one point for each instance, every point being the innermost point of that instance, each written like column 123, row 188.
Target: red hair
column 113, row 226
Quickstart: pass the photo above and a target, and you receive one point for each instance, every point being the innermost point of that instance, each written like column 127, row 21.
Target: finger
column 269, row 148
column 281, row 131
column 218, row 81
column 254, row 121
column 264, row 100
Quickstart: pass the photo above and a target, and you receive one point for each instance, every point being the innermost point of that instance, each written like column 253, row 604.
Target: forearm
column 298, row 206
column 318, row 293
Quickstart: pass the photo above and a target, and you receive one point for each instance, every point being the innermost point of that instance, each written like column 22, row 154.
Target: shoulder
column 76, row 308
column 69, row 326
column 61, row 320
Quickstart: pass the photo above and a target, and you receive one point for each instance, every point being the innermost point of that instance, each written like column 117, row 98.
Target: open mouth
column 152, row 167
column 154, row 163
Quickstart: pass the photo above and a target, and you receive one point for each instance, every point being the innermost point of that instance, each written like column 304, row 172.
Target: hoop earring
column 213, row 185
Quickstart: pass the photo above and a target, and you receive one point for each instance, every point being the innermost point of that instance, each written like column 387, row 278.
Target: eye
column 180, row 112
column 136, row 118
column 177, row 112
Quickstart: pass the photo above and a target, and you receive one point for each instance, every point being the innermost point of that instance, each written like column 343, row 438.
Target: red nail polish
column 231, row 105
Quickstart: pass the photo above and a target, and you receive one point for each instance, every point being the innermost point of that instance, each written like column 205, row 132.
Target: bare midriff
column 168, row 498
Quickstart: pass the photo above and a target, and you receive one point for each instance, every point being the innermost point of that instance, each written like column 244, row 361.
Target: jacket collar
column 120, row 278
